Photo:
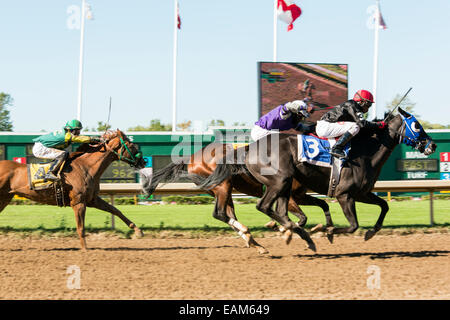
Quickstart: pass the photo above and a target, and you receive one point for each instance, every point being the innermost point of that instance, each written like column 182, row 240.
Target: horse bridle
column 132, row 160
column 417, row 144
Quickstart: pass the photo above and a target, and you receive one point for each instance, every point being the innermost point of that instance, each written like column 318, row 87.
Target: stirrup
column 338, row 153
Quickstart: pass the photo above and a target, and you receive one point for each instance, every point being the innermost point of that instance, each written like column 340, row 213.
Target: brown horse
column 80, row 178
column 203, row 163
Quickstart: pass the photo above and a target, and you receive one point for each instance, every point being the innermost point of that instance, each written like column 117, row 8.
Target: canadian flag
column 288, row 12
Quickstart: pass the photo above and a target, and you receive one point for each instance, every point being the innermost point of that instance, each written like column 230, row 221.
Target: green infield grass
column 194, row 218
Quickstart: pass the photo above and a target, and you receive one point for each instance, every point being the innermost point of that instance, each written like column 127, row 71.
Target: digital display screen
column 326, row 85
column 417, row 165
column 119, row 172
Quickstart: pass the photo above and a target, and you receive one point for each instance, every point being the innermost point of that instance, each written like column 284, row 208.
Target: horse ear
column 403, row 112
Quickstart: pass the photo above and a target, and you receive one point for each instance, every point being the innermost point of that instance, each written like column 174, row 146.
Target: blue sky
column 128, row 55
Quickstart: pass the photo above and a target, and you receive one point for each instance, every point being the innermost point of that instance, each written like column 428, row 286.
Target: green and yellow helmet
column 73, row 125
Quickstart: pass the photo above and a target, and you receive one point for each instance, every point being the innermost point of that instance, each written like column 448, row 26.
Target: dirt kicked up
column 412, row 266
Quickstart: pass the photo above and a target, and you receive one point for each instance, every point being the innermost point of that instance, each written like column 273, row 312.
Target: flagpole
column 375, row 60
column 80, row 66
column 174, row 92
column 275, row 25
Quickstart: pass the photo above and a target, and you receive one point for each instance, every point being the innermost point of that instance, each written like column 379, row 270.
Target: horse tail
column 167, row 175
column 221, row 173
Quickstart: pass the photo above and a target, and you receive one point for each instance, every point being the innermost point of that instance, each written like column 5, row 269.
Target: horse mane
column 87, row 148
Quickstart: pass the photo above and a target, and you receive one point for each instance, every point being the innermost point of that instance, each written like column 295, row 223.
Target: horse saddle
column 316, row 151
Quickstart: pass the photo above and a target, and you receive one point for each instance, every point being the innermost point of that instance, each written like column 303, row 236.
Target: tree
column 217, row 123
column 155, row 125
column 406, row 105
column 5, row 122
column 184, row 126
column 102, row 127
column 237, row 124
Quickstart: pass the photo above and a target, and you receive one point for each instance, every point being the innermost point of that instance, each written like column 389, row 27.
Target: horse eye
column 416, row 127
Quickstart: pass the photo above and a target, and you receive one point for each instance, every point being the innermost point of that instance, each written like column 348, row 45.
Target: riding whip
column 109, row 114
column 398, row 104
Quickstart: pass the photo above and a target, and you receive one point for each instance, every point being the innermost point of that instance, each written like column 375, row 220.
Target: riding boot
column 338, row 148
column 53, row 170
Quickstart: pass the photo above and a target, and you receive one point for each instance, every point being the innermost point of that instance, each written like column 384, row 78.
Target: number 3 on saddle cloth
column 37, row 172
column 316, row 151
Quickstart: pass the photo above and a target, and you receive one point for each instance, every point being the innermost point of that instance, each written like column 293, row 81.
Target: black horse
column 369, row 151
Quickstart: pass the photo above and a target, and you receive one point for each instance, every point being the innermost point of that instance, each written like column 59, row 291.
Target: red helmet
column 363, row 95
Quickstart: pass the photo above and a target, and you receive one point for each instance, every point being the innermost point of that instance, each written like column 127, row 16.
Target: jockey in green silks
column 52, row 145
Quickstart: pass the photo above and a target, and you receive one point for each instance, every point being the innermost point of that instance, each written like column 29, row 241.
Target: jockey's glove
column 381, row 124
column 296, row 106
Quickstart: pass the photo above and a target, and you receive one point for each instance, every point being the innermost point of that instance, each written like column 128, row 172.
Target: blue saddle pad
column 316, row 151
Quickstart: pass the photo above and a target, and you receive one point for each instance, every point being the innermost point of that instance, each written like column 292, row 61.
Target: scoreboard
column 119, row 172
column 445, row 165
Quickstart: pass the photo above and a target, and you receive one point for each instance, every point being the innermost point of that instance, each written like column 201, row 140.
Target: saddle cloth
column 36, row 174
column 315, row 150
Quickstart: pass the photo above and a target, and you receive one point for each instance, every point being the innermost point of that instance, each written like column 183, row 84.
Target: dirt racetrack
column 412, row 266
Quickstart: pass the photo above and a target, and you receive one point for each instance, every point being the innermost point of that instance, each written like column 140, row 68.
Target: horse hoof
column 287, row 236
column 138, row 233
column 262, row 250
column 369, row 234
column 317, row 228
column 330, row 237
column 271, row 225
column 312, row 246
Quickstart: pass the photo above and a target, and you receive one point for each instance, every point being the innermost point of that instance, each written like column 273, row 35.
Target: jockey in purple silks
column 284, row 117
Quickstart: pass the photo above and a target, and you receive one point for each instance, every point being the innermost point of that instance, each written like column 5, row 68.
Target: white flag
column 88, row 12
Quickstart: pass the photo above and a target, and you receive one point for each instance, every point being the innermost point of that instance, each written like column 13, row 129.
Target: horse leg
column 251, row 242
column 348, row 206
column 101, row 204
column 80, row 211
column 280, row 192
column 295, row 210
column 308, row 200
column 281, row 207
column 5, row 199
column 371, row 198
column 224, row 211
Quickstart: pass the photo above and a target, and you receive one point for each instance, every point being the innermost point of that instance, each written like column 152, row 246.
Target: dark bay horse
column 369, row 151
column 80, row 178
column 203, row 163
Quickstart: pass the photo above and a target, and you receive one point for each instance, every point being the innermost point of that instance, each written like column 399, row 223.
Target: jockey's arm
column 77, row 139
column 363, row 123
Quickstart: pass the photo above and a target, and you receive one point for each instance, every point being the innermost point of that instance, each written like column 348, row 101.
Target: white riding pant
column 259, row 133
column 43, row 152
column 327, row 129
